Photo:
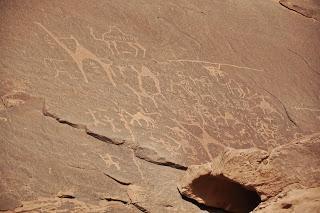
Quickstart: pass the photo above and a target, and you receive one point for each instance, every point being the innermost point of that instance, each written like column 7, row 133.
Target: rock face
column 238, row 180
column 59, row 162
column 296, row 200
column 106, row 104
column 307, row 8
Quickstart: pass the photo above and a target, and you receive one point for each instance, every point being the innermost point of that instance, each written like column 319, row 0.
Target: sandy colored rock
column 131, row 82
column 9, row 202
column 239, row 180
column 297, row 200
column 307, row 8
column 105, row 104
column 66, row 194
column 44, row 204
column 57, row 161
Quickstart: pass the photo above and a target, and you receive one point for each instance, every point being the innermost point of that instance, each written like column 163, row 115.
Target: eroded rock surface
column 238, row 180
column 296, row 200
column 58, row 161
column 307, row 8
column 105, row 104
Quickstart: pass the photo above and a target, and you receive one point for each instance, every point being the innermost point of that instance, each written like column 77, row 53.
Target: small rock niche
column 224, row 193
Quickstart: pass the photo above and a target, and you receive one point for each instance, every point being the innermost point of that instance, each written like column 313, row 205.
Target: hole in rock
column 221, row 192
column 204, row 207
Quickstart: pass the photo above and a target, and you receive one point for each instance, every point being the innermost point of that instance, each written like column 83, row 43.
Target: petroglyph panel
column 183, row 108
column 104, row 105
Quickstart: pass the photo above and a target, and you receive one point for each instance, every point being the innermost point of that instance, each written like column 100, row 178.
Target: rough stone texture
column 55, row 160
column 307, row 8
column 297, row 200
column 236, row 179
column 106, row 103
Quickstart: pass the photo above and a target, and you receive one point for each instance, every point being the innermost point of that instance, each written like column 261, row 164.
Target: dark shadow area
column 203, row 206
column 224, row 193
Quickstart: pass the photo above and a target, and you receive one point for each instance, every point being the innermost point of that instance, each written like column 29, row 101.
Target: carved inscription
column 185, row 106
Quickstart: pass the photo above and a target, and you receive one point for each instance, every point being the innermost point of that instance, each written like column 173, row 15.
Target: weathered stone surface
column 73, row 205
column 105, row 104
column 53, row 160
column 238, row 180
column 296, row 200
column 307, row 8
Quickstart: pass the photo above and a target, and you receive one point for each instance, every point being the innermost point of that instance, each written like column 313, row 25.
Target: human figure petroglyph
column 238, row 97
column 80, row 54
column 206, row 102
column 108, row 159
column 114, row 35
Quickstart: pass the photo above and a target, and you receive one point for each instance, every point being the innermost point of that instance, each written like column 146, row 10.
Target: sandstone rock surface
column 296, row 200
column 307, row 8
column 238, row 180
column 106, row 103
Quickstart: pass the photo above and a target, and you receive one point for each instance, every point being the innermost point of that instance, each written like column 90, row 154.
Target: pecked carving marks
column 71, row 54
column 112, row 161
column 114, row 37
column 108, row 159
column 81, row 127
column 80, row 54
column 185, row 108
column 233, row 106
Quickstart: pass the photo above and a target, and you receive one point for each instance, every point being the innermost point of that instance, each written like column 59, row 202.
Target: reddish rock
column 307, row 8
column 238, row 180
column 296, row 200
column 105, row 104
